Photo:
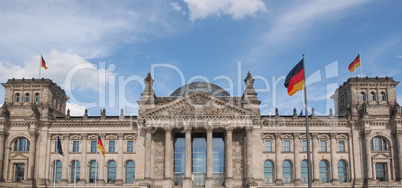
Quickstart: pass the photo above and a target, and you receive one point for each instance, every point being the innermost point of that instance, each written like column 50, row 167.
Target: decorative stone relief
column 238, row 151
column 159, row 155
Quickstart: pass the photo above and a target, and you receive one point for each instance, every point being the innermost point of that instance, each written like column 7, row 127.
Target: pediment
column 19, row 156
column 381, row 156
column 198, row 103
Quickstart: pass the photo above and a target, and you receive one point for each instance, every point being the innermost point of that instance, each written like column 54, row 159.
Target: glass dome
column 204, row 87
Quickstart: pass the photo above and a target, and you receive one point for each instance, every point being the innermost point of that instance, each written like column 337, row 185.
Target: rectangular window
column 304, row 145
column 268, row 145
column 286, row 145
column 94, row 145
column 130, row 146
column 76, row 146
column 112, row 145
column 341, row 145
column 323, row 144
column 19, row 172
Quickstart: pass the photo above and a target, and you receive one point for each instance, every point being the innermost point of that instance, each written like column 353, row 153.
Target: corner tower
column 34, row 97
column 365, row 96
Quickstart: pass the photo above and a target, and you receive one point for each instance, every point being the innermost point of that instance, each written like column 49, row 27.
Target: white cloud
column 175, row 6
column 59, row 66
column 75, row 109
column 399, row 56
column 238, row 9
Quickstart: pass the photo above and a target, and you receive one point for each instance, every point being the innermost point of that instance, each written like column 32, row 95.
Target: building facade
column 200, row 136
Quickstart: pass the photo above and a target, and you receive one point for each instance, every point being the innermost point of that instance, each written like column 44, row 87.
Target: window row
column 94, row 145
column 287, row 171
column 287, row 145
column 27, row 97
column 93, row 170
column 373, row 96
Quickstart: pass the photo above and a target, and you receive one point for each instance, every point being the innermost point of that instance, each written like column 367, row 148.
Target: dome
column 204, row 87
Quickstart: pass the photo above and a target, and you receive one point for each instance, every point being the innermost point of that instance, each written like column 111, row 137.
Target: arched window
column 342, row 173
column 378, row 144
column 287, row 171
column 372, row 96
column 37, row 97
column 93, row 174
column 304, row 171
column 383, row 97
column 268, row 172
column 324, row 171
column 363, row 96
column 21, row 144
column 75, row 171
column 17, row 97
column 130, row 172
column 27, row 97
column 111, row 172
column 57, row 171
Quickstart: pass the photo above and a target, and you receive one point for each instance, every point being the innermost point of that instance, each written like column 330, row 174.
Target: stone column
column 32, row 151
column 369, row 168
column 334, row 164
column 168, row 154
column 83, row 163
column 209, row 182
column 66, row 138
column 2, row 135
column 297, row 158
column 399, row 143
column 250, row 178
column 187, row 182
column 148, row 139
column 316, row 160
column 229, row 158
column 278, row 160
column 120, row 164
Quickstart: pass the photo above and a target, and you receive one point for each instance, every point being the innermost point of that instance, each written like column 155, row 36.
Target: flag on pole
column 295, row 79
column 354, row 64
column 43, row 63
column 59, row 150
column 101, row 113
column 100, row 146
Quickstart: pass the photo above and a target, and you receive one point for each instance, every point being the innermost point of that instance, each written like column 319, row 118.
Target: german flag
column 100, row 146
column 295, row 79
column 354, row 64
column 43, row 63
column 101, row 113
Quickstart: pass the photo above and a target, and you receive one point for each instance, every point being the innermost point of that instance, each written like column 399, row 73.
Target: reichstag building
column 200, row 136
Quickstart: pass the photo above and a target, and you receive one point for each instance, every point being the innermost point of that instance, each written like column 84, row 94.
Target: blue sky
column 100, row 51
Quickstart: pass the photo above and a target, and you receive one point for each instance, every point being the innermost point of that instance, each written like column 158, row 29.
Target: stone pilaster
column 229, row 183
column 369, row 169
column 187, row 182
column 278, row 160
column 296, row 165
column 31, row 162
column 148, row 139
column 120, row 165
column 334, row 163
column 250, row 179
column 2, row 135
column 399, row 140
column 316, row 160
column 83, row 164
column 209, row 182
column 64, row 178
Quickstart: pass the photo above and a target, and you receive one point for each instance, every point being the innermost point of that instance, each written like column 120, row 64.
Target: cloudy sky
column 101, row 51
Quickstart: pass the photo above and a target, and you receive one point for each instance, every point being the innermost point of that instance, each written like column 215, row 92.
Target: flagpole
column 40, row 65
column 361, row 71
column 307, row 129
column 97, row 163
column 54, row 169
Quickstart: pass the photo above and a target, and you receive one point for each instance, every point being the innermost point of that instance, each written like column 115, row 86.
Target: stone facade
column 358, row 145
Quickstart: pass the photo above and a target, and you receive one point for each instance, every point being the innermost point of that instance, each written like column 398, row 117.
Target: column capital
column 278, row 135
column 209, row 129
column 168, row 129
column 314, row 135
column 66, row 136
column 296, row 135
column 148, row 129
column 188, row 129
column 229, row 129
column 249, row 129
column 398, row 133
column 333, row 135
column 366, row 133
column 33, row 133
column 120, row 135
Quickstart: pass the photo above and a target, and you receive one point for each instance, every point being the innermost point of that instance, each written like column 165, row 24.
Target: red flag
column 295, row 79
column 354, row 64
